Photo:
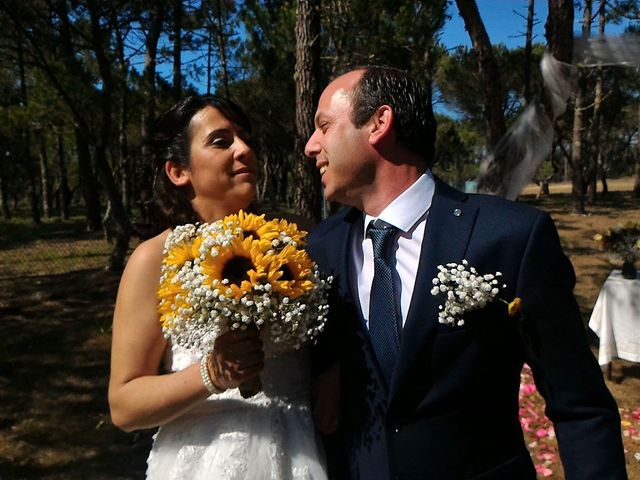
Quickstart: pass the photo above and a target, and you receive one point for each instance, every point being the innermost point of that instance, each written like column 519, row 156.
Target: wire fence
column 31, row 255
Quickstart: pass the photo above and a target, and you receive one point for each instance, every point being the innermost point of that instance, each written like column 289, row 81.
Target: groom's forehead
column 346, row 81
column 337, row 95
column 333, row 104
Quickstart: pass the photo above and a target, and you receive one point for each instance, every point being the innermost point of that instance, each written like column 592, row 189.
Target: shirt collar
column 409, row 207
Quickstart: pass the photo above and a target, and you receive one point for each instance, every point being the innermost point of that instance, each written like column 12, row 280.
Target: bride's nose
column 242, row 148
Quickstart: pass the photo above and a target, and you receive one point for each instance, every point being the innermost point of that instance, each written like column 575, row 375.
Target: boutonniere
column 465, row 290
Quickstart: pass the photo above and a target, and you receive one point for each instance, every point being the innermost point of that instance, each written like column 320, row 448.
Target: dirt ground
column 592, row 268
column 54, row 359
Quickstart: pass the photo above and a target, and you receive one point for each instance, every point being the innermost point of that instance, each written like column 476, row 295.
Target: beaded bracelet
column 206, row 378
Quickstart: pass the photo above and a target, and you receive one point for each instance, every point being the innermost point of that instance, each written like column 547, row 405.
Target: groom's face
column 341, row 150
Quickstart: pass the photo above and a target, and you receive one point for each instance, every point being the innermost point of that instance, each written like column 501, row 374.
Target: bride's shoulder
column 149, row 253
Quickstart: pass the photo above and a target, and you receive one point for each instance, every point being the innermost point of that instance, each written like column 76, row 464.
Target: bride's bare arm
column 139, row 396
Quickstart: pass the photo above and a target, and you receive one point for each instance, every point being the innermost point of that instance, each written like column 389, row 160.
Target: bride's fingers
column 248, row 373
column 238, row 347
column 250, row 357
column 242, row 348
column 251, row 366
column 250, row 360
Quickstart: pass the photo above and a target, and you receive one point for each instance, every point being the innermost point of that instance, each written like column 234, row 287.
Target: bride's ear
column 178, row 175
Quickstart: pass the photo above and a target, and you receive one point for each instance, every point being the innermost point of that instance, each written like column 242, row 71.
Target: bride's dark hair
column 167, row 204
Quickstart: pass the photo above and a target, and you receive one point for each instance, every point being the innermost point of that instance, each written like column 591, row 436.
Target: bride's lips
column 243, row 171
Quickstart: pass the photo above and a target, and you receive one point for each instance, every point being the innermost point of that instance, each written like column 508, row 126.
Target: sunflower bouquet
column 238, row 272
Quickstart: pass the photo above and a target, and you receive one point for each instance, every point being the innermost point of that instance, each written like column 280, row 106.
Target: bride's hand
column 237, row 356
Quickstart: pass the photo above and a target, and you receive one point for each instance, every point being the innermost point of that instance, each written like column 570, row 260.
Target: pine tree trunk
column 121, row 225
column 636, row 176
column 594, row 131
column 487, row 69
column 177, row 49
column 88, row 183
column 26, row 142
column 559, row 29
column 527, row 52
column 63, row 190
column 4, row 191
column 222, row 49
column 307, row 194
column 45, row 187
column 578, row 177
column 493, row 95
column 149, row 73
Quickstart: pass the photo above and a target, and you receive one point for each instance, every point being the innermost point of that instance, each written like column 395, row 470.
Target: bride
column 204, row 169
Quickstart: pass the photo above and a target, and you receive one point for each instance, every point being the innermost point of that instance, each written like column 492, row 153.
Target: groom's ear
column 381, row 124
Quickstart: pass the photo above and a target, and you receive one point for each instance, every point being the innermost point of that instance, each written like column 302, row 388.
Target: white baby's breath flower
column 465, row 290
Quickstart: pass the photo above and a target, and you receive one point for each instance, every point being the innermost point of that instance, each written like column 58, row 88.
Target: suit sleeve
column 324, row 353
column 584, row 413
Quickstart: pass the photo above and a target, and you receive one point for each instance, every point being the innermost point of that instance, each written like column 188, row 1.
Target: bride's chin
column 244, row 201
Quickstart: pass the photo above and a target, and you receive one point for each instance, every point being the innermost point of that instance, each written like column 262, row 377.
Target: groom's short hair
column 414, row 122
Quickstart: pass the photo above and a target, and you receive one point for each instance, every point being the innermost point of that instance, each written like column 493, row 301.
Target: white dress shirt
column 408, row 212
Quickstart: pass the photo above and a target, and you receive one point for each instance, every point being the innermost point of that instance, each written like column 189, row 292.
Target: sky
column 504, row 25
column 501, row 20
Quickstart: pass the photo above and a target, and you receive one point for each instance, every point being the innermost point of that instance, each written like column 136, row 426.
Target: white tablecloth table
column 616, row 319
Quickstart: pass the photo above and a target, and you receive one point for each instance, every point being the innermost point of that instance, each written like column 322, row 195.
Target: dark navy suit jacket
column 451, row 410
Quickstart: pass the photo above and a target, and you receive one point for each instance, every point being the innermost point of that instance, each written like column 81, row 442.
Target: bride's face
column 223, row 168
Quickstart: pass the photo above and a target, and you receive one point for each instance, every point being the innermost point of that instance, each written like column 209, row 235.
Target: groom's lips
column 322, row 166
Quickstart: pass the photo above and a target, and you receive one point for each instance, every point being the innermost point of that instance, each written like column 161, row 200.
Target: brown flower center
column 287, row 275
column 237, row 269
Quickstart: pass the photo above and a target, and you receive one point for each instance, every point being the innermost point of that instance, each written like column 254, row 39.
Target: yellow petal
column 514, row 306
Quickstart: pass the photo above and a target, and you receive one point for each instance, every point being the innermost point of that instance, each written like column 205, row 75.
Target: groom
column 419, row 399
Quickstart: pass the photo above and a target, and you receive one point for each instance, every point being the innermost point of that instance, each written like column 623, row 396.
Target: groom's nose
column 312, row 148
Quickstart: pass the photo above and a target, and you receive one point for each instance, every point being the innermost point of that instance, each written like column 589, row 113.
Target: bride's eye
column 220, row 142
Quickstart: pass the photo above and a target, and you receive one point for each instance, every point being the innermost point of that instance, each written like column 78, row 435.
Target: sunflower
column 182, row 252
column 240, row 265
column 171, row 299
column 291, row 230
column 282, row 230
column 248, row 223
column 289, row 272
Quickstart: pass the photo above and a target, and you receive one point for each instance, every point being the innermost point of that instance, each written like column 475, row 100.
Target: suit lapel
column 449, row 225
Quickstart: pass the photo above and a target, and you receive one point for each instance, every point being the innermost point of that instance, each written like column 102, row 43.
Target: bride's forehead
column 210, row 116
column 209, row 120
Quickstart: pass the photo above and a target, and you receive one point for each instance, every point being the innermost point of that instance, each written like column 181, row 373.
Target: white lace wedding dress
column 267, row 437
